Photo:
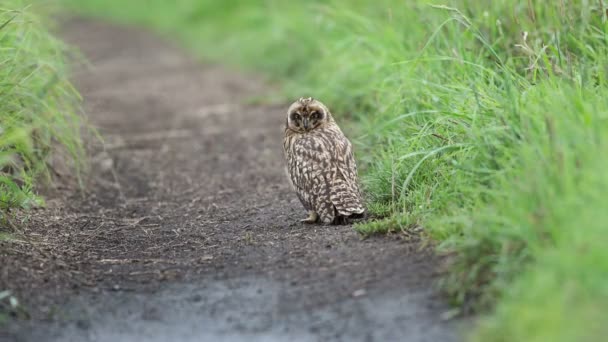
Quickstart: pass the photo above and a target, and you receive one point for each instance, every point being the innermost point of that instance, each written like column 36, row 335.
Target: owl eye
column 296, row 117
column 316, row 115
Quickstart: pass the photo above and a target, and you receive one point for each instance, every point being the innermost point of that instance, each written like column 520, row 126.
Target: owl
column 320, row 164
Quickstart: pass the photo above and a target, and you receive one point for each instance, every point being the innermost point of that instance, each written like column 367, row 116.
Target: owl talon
column 312, row 218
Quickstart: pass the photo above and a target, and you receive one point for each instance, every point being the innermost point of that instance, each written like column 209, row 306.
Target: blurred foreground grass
column 487, row 124
column 37, row 105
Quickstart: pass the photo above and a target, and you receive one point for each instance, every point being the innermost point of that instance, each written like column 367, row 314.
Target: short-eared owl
column 320, row 164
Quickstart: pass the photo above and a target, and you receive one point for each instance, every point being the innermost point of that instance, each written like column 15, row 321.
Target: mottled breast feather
column 322, row 169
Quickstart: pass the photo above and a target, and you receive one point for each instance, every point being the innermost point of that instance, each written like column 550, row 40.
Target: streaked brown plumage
column 320, row 163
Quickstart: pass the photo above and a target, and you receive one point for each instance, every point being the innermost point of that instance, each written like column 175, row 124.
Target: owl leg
column 343, row 219
column 340, row 220
column 312, row 217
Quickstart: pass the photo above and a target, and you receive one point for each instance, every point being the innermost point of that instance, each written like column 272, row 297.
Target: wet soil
column 188, row 230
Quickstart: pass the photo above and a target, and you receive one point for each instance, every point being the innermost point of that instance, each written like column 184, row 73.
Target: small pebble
column 359, row 293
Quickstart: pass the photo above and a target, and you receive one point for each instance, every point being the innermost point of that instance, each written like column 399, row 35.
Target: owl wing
column 344, row 192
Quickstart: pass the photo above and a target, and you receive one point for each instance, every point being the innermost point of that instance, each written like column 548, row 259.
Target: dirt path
column 189, row 231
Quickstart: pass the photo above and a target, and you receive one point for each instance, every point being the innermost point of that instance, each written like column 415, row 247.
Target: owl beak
column 305, row 123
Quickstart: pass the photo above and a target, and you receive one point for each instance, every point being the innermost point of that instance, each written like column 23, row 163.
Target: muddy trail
column 188, row 230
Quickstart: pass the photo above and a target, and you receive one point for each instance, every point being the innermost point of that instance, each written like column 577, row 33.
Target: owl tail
column 346, row 199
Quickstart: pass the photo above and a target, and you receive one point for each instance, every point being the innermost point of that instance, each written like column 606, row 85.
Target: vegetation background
column 39, row 108
column 484, row 123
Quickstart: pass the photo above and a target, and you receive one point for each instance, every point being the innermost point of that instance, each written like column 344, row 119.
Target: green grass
column 37, row 105
column 491, row 139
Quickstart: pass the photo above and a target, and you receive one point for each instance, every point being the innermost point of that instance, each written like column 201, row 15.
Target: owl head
column 307, row 114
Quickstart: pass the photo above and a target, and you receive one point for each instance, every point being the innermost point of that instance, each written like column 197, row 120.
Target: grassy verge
column 487, row 124
column 37, row 105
